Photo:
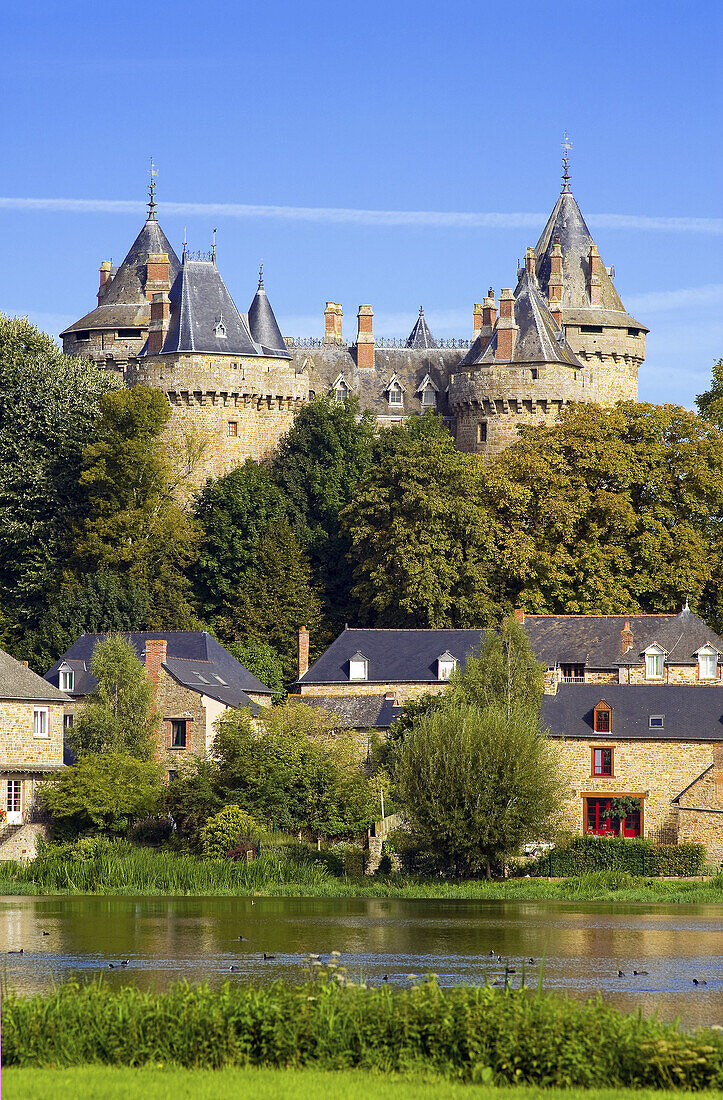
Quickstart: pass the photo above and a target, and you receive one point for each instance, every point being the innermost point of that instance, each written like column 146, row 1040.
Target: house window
column 178, row 733
column 446, row 664
column 341, row 392
column 707, row 664
column 172, row 776
column 602, row 761
column 654, row 664
column 573, row 674
column 232, row 429
column 395, row 395
column 68, row 722
column 41, row 724
column 358, row 667
column 602, row 719
column 67, row 679
column 656, row 721
column 429, row 396
column 14, row 797
column 482, row 431
column 597, row 819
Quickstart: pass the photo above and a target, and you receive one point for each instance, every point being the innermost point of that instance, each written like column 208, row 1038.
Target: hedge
column 636, row 856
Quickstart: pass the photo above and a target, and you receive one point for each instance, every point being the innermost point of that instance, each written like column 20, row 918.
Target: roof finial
column 421, row 311
column 261, row 275
column 213, row 246
column 153, row 172
column 686, row 608
column 566, row 146
column 185, row 243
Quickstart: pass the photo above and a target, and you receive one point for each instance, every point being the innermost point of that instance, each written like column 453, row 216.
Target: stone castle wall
column 613, row 358
column 106, row 348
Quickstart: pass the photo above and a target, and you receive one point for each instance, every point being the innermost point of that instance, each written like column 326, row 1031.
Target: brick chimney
column 160, row 317
column 303, row 650
column 489, row 310
column 554, row 286
column 530, row 261
column 519, row 615
column 626, row 639
column 105, row 268
column 593, row 277
column 506, row 327
column 155, row 656
column 157, row 274
column 365, row 338
column 476, row 320
column 333, row 319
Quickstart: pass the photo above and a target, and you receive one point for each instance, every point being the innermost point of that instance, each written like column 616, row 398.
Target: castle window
column 341, row 391
column 219, row 330
column 602, row 718
column 482, row 431
column 395, row 394
column 429, row 397
column 633, row 332
column 79, row 336
column 707, row 663
column 591, row 330
column 233, row 428
column 66, row 679
column 573, row 674
column 178, row 733
column 602, row 761
column 358, row 667
column 533, row 372
column 656, row 721
column 128, row 333
column 41, row 724
column 654, row 662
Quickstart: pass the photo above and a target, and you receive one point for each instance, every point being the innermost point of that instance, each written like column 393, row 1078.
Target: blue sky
column 398, row 107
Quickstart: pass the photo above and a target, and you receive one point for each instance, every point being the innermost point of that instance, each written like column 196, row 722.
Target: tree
column 317, row 466
column 275, row 598
column 232, row 513
column 418, row 538
column 106, row 792
column 122, row 718
column 262, row 661
column 49, row 405
column 710, row 403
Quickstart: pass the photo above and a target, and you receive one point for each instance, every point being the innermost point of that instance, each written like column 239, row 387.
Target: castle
column 561, row 335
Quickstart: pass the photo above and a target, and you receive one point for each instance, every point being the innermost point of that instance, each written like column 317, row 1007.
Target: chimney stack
column 365, row 338
column 593, row 279
column 104, row 277
column 506, row 327
column 530, row 261
column 333, row 318
column 519, row 616
column 477, row 320
column 158, row 276
column 160, row 317
column 303, row 650
column 626, row 639
column 554, row 286
column 155, row 656
column 489, row 310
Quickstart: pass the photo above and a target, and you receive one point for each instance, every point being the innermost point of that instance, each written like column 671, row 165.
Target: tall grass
column 470, row 1033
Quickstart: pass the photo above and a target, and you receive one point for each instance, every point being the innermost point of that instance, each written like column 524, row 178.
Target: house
column 195, row 678
column 662, row 745
column 625, row 649
column 31, row 749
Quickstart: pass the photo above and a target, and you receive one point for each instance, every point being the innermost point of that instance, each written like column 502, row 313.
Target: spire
column 262, row 323
column 566, row 146
column 261, row 276
column 153, row 172
column 420, row 336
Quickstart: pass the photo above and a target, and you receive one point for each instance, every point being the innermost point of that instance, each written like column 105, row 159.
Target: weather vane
column 566, row 147
column 213, row 246
column 153, row 172
column 261, row 275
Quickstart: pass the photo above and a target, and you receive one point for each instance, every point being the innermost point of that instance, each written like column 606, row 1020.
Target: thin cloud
column 665, row 301
column 337, row 215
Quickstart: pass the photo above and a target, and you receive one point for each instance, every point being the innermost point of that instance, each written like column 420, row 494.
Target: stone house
column 195, row 678
column 31, row 749
column 662, row 745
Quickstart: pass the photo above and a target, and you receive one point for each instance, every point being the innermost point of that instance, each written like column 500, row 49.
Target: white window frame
column 656, row 721
column 654, row 661
column 395, row 394
column 429, row 396
column 341, row 391
column 66, row 680
column 358, row 669
column 446, row 665
column 41, row 723
column 709, row 655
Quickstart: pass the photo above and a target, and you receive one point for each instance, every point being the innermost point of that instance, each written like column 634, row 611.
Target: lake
column 578, row 947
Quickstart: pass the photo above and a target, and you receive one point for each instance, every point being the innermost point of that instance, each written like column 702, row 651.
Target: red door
column 599, row 822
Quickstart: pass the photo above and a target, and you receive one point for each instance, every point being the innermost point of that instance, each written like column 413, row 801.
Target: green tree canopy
column 121, row 717
column 710, row 403
column 104, row 792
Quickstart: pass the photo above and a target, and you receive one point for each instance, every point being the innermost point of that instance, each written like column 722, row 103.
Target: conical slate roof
column 420, row 336
column 262, row 324
column 124, row 303
column 203, row 314
column 538, row 339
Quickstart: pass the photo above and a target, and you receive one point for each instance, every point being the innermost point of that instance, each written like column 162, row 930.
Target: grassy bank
column 140, row 871
column 111, row 1083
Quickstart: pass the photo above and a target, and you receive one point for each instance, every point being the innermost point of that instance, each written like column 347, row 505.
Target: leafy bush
column 224, row 830
column 638, row 856
column 468, row 1033
column 105, row 792
column 152, row 831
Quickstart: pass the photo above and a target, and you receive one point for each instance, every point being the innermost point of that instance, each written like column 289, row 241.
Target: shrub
column 152, row 831
column 637, row 856
column 224, row 830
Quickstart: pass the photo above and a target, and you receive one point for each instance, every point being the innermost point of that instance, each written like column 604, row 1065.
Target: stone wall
column 107, row 349
column 700, row 811
column 403, row 692
column 614, row 358
column 20, row 844
column 18, row 744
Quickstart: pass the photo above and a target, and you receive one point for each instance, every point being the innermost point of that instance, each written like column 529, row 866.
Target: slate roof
column 393, row 656
column 420, row 336
column 263, row 327
column 201, row 308
column 356, row 711
column 18, row 682
column 689, row 713
column 538, row 339
column 595, row 640
column 124, row 303
column 567, row 223
column 192, row 657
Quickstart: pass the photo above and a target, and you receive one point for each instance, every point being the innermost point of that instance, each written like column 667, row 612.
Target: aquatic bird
column 531, row 961
column 699, row 981
column 492, row 953
column 510, row 970
column 269, row 958
column 622, row 974
column 124, row 962
column 243, row 939
column 46, row 933
column 312, row 956
column 498, row 982
column 234, row 967
column 385, row 978
column 20, row 952
column 641, row 973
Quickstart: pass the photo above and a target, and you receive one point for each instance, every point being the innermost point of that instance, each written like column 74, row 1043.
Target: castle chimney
column 160, row 317
column 530, row 261
column 365, row 338
column 626, row 639
column 303, row 650
column 593, row 278
column 489, row 310
column 333, row 318
column 104, row 277
column 477, row 320
column 157, row 274
column 506, row 327
column 154, row 658
column 554, row 286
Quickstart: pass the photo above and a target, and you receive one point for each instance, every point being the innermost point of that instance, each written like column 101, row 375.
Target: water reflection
column 583, row 946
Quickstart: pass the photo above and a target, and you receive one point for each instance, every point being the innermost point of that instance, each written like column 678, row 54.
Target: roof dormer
column 654, row 662
column 446, row 664
column 427, row 392
column 602, row 717
column 66, row 677
column 358, row 667
column 707, row 662
column 395, row 391
column 339, row 388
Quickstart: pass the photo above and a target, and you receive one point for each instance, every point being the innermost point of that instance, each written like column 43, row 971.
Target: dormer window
column 394, row 394
column 358, row 667
column 66, row 679
column 654, row 662
column 341, row 391
column 707, row 663
column 446, row 664
column 602, row 717
column 427, row 392
column 219, row 330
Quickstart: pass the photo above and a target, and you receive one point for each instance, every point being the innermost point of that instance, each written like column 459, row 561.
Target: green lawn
column 108, row 1083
